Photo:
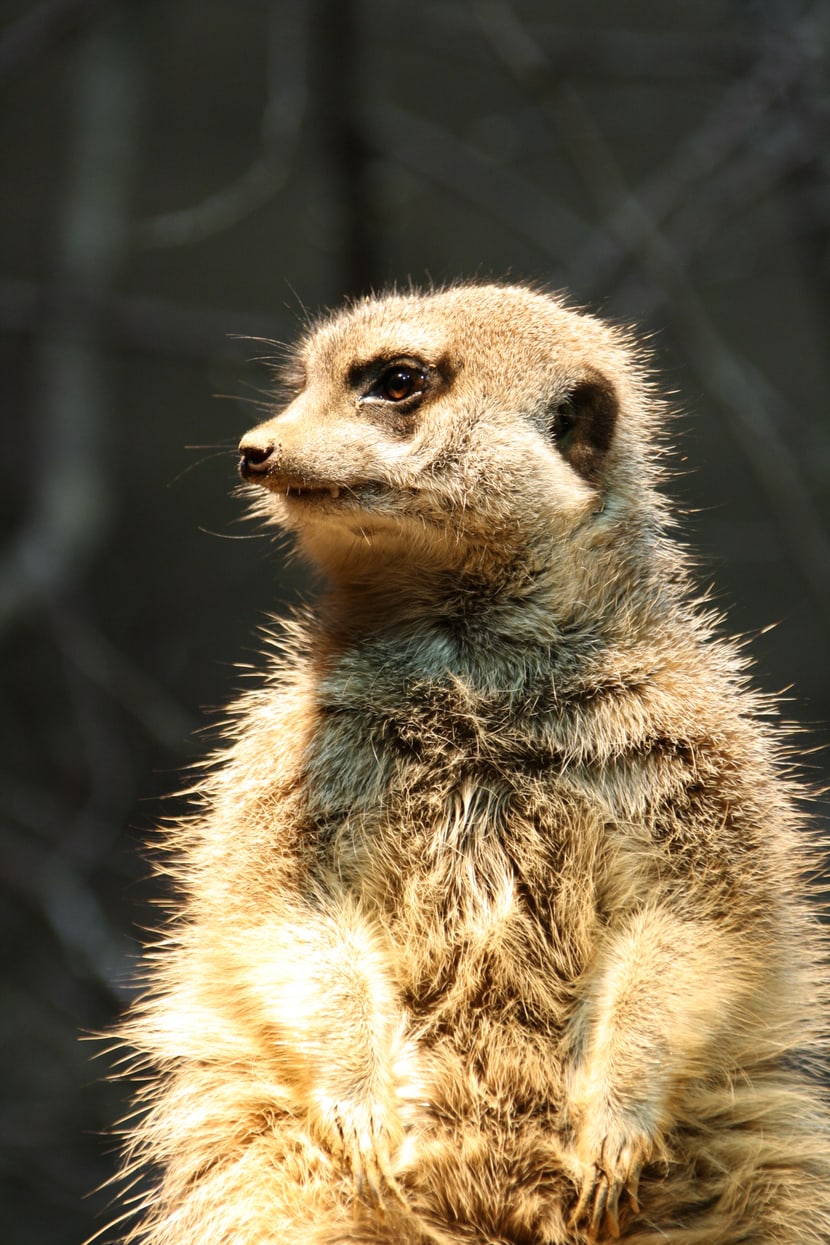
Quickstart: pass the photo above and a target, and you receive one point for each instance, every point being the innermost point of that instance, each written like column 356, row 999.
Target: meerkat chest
column 466, row 851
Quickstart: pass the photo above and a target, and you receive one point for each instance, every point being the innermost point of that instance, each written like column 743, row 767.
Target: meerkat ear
column 582, row 425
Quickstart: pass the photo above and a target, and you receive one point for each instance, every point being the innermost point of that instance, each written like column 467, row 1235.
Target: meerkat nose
column 253, row 458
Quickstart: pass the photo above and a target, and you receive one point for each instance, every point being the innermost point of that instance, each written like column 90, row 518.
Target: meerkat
column 492, row 922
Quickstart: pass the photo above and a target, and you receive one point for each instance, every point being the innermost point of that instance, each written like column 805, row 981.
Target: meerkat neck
column 488, row 618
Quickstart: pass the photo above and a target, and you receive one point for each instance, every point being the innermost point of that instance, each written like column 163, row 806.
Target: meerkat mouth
column 309, row 490
column 304, row 491
column 290, row 486
column 314, row 492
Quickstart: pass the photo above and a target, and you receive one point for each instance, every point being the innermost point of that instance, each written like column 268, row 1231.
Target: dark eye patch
column 582, row 423
column 393, row 385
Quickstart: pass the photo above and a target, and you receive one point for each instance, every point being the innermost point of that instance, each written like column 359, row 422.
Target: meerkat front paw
column 360, row 1136
column 611, row 1151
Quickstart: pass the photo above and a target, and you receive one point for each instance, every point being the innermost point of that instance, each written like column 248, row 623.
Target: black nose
column 254, row 459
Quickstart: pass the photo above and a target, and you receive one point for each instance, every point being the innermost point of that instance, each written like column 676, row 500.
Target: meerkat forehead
column 496, row 326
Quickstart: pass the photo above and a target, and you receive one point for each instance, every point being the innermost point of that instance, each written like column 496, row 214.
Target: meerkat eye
column 399, row 383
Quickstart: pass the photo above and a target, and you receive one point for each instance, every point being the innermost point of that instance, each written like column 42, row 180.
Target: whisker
column 208, row 531
column 263, row 396
column 224, row 452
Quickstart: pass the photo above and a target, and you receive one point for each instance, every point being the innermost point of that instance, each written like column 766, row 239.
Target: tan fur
column 492, row 926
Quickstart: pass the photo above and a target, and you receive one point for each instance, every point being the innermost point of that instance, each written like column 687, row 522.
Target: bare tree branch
column 144, row 324
column 710, row 150
column 41, row 29
column 338, row 93
column 282, row 122
column 516, row 203
column 640, row 54
column 55, row 885
column 613, row 52
column 750, row 178
column 69, row 503
column 141, row 696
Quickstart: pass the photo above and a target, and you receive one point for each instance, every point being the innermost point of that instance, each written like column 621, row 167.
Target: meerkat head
column 473, row 426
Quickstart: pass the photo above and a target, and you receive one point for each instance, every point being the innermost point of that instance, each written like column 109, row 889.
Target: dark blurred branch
column 142, row 324
column 282, row 122
column 221, row 210
column 613, row 52
column 40, row 30
column 807, row 185
column 338, row 94
column 516, row 203
column 56, row 886
column 69, row 494
column 100, row 661
column 643, row 55
column 698, row 230
column 743, row 396
column 709, row 152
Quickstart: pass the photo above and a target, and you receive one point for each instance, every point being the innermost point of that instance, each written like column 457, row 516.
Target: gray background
column 177, row 174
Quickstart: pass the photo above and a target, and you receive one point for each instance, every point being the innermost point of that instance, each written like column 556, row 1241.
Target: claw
column 613, row 1175
column 362, row 1143
column 585, row 1196
column 632, row 1188
column 612, row 1208
column 600, row 1203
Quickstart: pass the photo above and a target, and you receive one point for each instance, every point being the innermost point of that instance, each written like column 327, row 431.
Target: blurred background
column 182, row 176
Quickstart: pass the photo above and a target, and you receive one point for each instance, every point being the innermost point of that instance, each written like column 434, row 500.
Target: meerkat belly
column 483, row 898
column 487, row 953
